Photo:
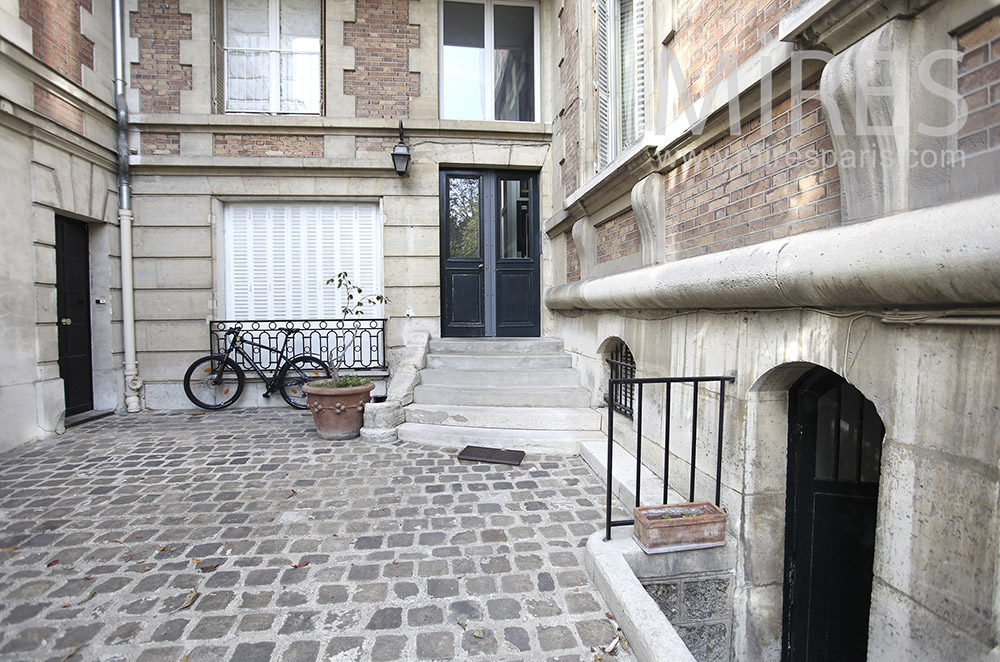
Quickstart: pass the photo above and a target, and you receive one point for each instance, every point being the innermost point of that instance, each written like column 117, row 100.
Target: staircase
column 516, row 393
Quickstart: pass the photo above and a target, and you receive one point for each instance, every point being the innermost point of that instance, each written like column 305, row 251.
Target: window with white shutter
column 279, row 257
column 619, row 80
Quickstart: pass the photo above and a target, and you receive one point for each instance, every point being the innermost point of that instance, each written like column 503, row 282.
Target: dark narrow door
column 835, row 446
column 73, row 309
column 490, row 254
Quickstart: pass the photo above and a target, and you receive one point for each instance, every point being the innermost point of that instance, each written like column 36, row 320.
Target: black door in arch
column 490, row 254
column 834, row 454
column 73, row 309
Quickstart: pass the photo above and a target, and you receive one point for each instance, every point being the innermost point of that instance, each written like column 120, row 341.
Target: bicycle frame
column 236, row 344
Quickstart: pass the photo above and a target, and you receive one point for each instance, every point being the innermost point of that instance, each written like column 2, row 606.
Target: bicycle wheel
column 297, row 372
column 214, row 382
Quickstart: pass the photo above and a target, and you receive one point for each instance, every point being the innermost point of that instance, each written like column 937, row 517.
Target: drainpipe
column 133, row 383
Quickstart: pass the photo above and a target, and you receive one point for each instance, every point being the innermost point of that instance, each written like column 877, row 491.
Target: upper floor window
column 272, row 56
column 489, row 61
column 620, row 84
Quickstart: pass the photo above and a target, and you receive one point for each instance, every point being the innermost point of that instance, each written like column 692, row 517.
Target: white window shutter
column 279, row 258
column 602, row 82
column 640, row 68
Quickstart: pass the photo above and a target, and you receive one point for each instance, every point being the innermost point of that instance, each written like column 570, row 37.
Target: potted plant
column 338, row 403
column 679, row 526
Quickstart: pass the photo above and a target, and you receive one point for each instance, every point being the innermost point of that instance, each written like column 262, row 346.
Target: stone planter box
column 687, row 526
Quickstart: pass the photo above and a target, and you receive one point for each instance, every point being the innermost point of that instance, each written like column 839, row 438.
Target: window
column 279, row 258
column 489, row 61
column 272, row 56
column 622, row 396
column 620, row 84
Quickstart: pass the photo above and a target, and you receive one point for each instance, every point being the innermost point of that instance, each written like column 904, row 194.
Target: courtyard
column 240, row 535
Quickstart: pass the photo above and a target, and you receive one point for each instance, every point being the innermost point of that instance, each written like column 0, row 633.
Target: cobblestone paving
column 297, row 549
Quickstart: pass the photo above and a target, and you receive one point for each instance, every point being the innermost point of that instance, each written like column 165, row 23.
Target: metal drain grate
column 493, row 455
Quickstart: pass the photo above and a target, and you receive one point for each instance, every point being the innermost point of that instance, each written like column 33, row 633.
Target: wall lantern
column 401, row 155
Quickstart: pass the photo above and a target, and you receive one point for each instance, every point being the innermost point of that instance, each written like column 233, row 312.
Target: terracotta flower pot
column 676, row 527
column 339, row 413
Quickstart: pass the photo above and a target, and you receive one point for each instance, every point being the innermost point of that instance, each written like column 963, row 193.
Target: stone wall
column 262, row 144
column 159, row 75
column 381, row 81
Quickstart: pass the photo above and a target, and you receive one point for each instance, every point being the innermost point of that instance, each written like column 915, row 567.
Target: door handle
column 65, row 321
column 480, row 266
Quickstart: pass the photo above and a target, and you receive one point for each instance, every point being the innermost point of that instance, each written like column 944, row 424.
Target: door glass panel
column 827, row 419
column 514, row 62
column 463, row 74
column 850, row 422
column 463, row 217
column 515, row 206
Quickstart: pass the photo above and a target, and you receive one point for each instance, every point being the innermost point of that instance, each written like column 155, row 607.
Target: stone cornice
column 833, row 25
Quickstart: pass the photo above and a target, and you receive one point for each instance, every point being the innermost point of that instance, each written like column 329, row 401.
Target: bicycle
column 216, row 381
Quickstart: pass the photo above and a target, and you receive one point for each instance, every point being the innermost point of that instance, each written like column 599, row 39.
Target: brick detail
column 569, row 81
column 979, row 85
column 258, row 144
column 161, row 144
column 618, row 237
column 58, row 110
column 754, row 187
column 715, row 36
column 159, row 76
column 381, row 81
column 56, row 37
column 572, row 260
column 374, row 144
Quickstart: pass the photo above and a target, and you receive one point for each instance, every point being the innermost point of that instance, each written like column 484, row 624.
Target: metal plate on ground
column 493, row 455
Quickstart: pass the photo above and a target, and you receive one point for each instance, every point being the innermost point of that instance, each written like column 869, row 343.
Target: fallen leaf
column 68, row 604
column 92, row 595
column 301, row 565
column 608, row 615
column 291, row 495
column 462, row 624
column 73, row 652
column 198, row 413
column 478, row 634
column 624, row 642
column 146, row 569
column 11, row 549
column 160, row 549
column 119, row 541
column 193, row 560
column 183, row 659
column 209, row 568
column 188, row 601
column 52, row 563
column 127, row 559
column 87, row 578
column 173, row 549
column 612, row 648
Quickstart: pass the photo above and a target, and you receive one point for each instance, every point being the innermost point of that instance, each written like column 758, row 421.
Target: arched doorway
column 834, row 454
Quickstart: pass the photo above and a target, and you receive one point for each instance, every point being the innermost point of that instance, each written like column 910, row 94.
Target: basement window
column 622, row 396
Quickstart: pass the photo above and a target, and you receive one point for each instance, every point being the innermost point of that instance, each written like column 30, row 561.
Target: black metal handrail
column 361, row 341
column 668, row 381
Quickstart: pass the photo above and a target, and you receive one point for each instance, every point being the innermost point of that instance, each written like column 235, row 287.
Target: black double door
column 835, row 445
column 490, row 254
column 73, row 309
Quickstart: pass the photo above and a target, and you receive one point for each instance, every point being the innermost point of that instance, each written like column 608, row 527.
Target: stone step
column 492, row 396
column 529, row 441
column 595, row 454
column 496, row 346
column 501, row 379
column 518, row 418
column 499, row 361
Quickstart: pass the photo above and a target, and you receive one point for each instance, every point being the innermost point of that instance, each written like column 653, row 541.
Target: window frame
column 274, row 51
column 226, row 261
column 615, row 143
column 489, row 87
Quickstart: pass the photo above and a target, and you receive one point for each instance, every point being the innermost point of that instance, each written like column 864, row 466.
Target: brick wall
column 756, row 186
column 979, row 85
column 58, row 111
column 258, row 144
column 569, row 81
column 56, row 37
column 618, row 237
column 159, row 75
column 375, row 144
column 381, row 82
column 161, row 144
column 572, row 260
column 714, row 36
